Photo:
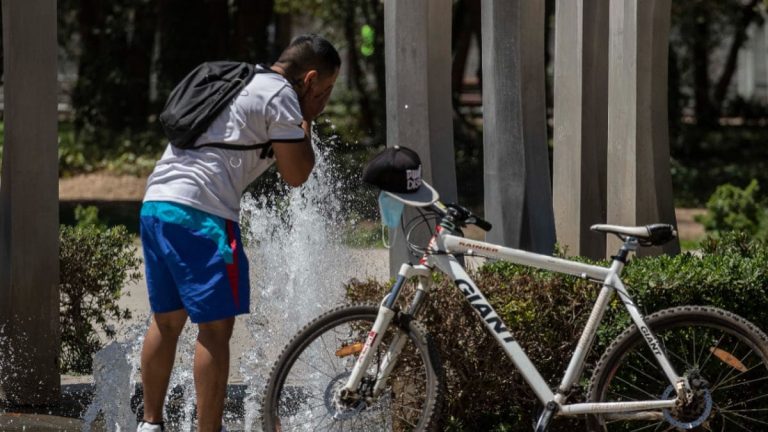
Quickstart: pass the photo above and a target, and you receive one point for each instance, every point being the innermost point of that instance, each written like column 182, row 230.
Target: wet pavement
column 37, row 423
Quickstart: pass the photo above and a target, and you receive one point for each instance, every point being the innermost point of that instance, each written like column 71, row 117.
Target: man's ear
column 309, row 78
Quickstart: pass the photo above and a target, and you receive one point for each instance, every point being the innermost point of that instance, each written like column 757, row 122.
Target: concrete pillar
column 518, row 194
column 580, row 124
column 639, row 188
column 418, row 80
column 29, row 219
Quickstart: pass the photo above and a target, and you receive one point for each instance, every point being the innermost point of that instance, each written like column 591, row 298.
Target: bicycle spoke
column 720, row 378
column 745, row 418
column 749, row 410
column 314, row 368
column 327, row 351
column 685, row 362
column 743, row 383
column 637, row 388
column 320, row 423
column 718, row 386
column 647, row 427
column 641, row 372
column 711, row 352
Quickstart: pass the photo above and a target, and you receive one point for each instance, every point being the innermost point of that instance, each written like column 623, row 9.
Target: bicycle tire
column 728, row 367
column 281, row 397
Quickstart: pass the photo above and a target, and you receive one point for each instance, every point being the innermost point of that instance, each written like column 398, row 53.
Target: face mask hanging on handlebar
column 391, row 210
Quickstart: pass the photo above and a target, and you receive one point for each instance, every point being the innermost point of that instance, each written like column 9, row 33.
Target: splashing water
column 298, row 268
column 112, row 371
column 114, row 375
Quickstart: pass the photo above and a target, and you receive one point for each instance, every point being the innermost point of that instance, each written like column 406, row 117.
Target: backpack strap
column 266, row 148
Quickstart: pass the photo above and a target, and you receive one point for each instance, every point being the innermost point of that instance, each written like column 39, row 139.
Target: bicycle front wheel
column 302, row 392
column 724, row 357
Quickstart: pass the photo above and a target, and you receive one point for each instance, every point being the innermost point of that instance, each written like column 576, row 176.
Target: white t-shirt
column 213, row 179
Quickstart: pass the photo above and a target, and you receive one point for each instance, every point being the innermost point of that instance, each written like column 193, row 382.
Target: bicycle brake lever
column 483, row 224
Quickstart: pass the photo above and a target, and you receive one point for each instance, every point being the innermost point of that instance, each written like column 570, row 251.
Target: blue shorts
column 194, row 261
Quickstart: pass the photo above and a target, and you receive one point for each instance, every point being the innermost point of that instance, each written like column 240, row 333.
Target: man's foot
column 145, row 426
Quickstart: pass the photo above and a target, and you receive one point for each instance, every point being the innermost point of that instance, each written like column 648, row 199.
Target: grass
column 119, row 153
column 364, row 235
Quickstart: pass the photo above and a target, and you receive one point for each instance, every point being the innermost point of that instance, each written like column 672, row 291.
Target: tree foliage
column 131, row 53
column 706, row 38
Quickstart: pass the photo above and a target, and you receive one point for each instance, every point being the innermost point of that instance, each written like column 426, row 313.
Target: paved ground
column 37, row 423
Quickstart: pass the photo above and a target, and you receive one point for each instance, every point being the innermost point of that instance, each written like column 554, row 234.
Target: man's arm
column 295, row 160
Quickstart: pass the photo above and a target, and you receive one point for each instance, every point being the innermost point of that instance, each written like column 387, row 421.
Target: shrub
column 484, row 390
column 95, row 262
column 547, row 312
column 732, row 208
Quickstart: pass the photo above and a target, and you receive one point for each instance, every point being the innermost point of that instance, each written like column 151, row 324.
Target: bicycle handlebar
column 461, row 216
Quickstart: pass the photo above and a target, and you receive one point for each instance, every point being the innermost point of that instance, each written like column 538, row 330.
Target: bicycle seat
column 648, row 235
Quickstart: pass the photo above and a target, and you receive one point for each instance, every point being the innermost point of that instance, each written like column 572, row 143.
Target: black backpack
column 200, row 97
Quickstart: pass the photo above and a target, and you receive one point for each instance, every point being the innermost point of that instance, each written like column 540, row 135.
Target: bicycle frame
column 443, row 248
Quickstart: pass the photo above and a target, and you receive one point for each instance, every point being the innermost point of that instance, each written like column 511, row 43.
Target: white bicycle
column 366, row 367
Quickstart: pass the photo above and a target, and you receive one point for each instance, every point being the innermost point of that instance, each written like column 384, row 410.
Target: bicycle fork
column 383, row 321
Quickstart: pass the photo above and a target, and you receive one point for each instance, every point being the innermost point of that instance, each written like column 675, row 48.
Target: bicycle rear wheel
column 724, row 357
column 302, row 392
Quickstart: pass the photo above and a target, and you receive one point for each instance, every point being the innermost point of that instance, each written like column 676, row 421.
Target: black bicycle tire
column 304, row 337
column 668, row 318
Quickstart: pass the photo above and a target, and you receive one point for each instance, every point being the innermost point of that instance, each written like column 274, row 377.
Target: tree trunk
column 90, row 16
column 215, row 29
column 139, row 64
column 466, row 26
column 748, row 15
column 283, row 29
column 251, row 21
column 373, row 14
column 705, row 113
column 185, row 39
column 356, row 76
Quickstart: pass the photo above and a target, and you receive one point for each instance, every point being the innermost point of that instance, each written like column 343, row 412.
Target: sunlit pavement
column 37, row 423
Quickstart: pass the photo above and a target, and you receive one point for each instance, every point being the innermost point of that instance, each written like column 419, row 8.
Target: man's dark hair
column 307, row 52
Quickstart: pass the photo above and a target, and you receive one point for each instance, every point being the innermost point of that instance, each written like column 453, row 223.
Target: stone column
column 639, row 188
column 418, row 80
column 580, row 124
column 29, row 218
column 518, row 194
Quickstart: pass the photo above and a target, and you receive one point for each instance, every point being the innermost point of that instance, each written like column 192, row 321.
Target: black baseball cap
column 397, row 171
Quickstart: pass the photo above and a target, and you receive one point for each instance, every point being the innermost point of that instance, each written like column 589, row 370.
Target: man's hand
column 313, row 102
column 314, row 94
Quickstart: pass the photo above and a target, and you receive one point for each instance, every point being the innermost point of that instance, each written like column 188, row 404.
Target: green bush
column 95, row 262
column 547, row 312
column 732, row 208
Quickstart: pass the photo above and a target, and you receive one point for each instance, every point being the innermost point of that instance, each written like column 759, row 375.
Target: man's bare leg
column 157, row 356
column 211, row 372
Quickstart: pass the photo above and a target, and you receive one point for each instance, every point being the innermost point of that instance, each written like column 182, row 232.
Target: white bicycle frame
column 443, row 249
